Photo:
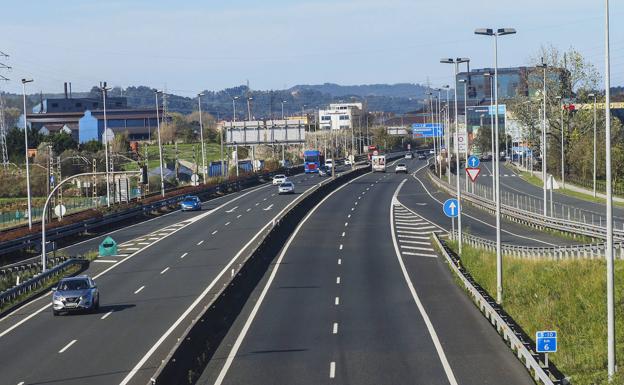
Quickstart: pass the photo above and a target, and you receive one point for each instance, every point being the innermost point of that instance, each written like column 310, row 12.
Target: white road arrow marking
column 232, row 209
column 268, row 208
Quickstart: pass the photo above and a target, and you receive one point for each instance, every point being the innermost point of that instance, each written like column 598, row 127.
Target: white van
column 379, row 163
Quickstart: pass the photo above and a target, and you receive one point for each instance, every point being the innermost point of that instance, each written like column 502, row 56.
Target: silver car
column 75, row 294
column 287, row 188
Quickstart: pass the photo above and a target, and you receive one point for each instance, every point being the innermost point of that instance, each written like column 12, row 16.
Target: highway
column 563, row 205
column 359, row 296
column 164, row 275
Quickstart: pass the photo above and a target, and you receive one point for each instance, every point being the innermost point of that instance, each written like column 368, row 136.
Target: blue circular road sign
column 473, row 161
column 451, row 208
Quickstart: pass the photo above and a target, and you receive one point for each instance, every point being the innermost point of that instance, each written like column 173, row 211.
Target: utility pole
column 3, row 127
column 201, row 137
column 544, row 144
column 594, row 174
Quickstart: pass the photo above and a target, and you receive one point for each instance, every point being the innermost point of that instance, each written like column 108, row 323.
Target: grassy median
column 567, row 296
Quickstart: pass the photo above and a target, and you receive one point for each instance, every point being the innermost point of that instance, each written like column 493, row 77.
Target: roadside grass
column 567, row 296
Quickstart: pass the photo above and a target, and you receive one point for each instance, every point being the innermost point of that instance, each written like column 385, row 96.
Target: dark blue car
column 190, row 203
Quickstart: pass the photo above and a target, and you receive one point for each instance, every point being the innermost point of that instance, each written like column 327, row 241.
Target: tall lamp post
column 499, row 259
column 234, row 108
column 105, row 90
column 249, row 99
column 491, row 111
column 201, row 137
column 447, row 129
column 609, row 248
column 24, row 81
column 283, row 101
column 465, row 83
column 457, row 61
column 560, row 98
column 544, row 144
column 594, row 96
column 160, row 154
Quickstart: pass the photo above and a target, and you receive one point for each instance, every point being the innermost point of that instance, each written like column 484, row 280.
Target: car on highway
column 190, row 203
column 348, row 162
column 422, row 156
column 324, row 171
column 287, row 187
column 75, row 294
column 279, row 179
column 409, row 155
column 329, row 163
column 401, row 167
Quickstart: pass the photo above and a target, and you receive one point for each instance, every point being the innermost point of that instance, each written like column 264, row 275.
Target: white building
column 340, row 116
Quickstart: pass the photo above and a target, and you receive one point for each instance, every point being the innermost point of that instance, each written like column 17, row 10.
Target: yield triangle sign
column 473, row 172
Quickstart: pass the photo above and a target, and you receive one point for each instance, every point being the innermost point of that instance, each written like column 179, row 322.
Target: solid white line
column 420, row 254
column 164, row 271
column 232, row 209
column 340, row 248
column 183, row 255
column 335, row 328
column 200, row 242
column 143, row 243
column 132, row 248
column 107, row 314
column 337, row 280
column 332, row 369
column 139, row 289
column 412, row 237
column 414, row 232
column 67, row 346
column 227, row 223
column 254, row 311
column 105, row 261
column 415, row 242
column 337, row 301
column 214, row 232
column 417, row 248
column 415, row 227
column 434, row 337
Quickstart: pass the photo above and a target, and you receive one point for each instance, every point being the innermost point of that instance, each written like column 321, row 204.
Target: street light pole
column 447, row 128
column 594, row 96
column 283, row 101
column 499, row 257
column 544, row 145
column 201, row 137
column 234, row 108
column 609, row 246
column 24, row 81
column 105, row 90
column 465, row 83
column 249, row 99
column 160, row 154
column 562, row 148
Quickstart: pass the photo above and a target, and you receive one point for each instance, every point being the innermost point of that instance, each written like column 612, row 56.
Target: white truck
column 379, row 163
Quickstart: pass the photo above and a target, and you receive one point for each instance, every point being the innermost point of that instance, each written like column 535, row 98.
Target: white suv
column 401, row 167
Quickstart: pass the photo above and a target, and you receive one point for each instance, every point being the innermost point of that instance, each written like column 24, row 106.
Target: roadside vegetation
column 566, row 296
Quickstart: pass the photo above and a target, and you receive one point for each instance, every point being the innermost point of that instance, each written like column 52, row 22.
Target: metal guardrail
column 37, row 281
column 530, row 218
column 516, row 340
column 586, row 251
column 33, row 240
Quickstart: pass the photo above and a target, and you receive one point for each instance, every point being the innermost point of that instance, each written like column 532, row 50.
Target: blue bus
column 312, row 160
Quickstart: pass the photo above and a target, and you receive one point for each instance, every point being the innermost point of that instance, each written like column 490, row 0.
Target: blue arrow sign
column 546, row 341
column 52, row 180
column 473, row 161
column 451, row 208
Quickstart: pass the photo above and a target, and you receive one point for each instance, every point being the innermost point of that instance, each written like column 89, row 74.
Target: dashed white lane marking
column 346, row 224
column 339, row 261
column 359, row 198
column 139, row 290
column 337, row 280
column 232, row 209
column 107, row 314
column 227, row 223
column 272, row 195
column 356, row 203
column 239, row 215
column 264, row 199
column 340, row 248
column 335, row 328
column 21, row 383
column 352, row 208
column 269, row 207
column 337, row 301
column 249, row 209
column 200, row 242
column 420, row 254
column 349, row 216
column 343, row 234
column 67, row 346
column 257, row 203
column 214, row 232
column 332, row 369
column 183, row 255
column 164, row 271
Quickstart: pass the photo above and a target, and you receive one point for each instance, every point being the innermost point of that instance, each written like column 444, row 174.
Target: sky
column 187, row 46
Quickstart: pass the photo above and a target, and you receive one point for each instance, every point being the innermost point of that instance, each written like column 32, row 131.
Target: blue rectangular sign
column 502, row 109
column 427, row 130
column 546, row 341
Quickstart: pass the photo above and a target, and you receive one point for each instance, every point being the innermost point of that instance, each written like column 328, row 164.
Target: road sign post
column 451, row 208
column 546, row 342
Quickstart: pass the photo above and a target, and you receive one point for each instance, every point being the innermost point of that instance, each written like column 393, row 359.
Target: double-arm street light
column 201, row 137
column 457, row 61
column 499, row 259
column 24, row 81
